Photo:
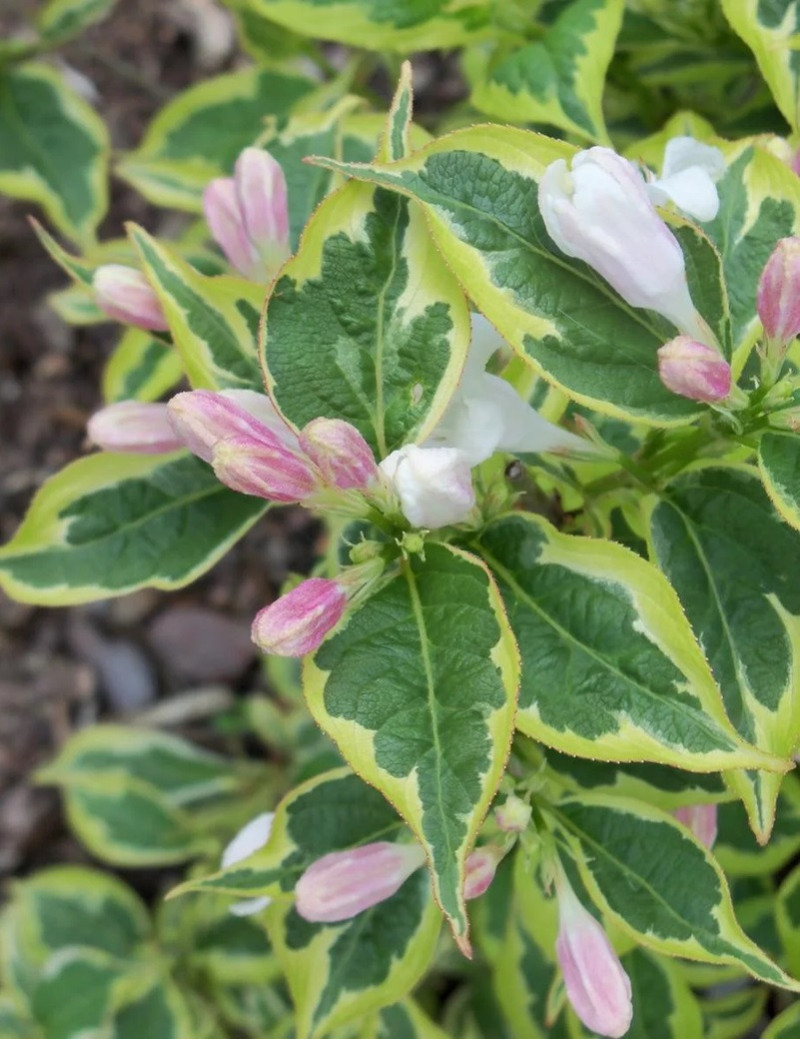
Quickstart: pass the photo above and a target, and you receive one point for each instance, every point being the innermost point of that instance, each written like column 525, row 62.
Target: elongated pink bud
column 340, row 453
column 296, row 624
column 202, row 418
column 342, row 884
column 133, row 426
column 778, row 297
column 694, row 370
column 701, row 821
column 265, row 469
column 597, row 985
column 125, row 294
column 479, row 870
column 248, row 214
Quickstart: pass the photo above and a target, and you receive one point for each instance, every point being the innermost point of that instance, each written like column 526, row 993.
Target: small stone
column 198, row 645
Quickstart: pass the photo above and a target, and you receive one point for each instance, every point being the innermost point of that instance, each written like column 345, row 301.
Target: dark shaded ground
column 62, row 669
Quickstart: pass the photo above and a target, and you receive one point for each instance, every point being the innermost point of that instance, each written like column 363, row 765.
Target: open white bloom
column 599, row 211
column 486, row 415
column 688, row 178
column 252, row 837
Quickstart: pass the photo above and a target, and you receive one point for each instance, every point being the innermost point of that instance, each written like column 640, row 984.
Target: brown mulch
column 63, row 669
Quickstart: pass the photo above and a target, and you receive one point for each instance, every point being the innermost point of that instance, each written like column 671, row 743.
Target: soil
column 64, row 669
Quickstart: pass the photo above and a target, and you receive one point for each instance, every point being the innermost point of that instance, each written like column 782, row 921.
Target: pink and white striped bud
column 694, row 370
column 296, row 624
column 133, row 426
column 342, row 884
column 203, row 418
column 340, row 453
column 125, row 294
column 599, row 211
column 778, row 296
column 513, row 816
column 701, row 821
column 597, row 985
column 248, row 214
column 264, row 467
column 479, row 870
column 434, row 485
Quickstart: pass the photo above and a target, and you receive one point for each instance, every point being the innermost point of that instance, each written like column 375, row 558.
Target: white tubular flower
column 600, row 212
column 252, row 837
column 688, row 178
column 487, row 415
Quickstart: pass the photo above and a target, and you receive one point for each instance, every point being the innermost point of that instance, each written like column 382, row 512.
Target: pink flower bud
column 479, row 870
column 694, row 370
column 248, row 214
column 342, row 884
column 778, row 297
column 340, row 453
column 202, row 418
column 296, row 624
column 701, row 821
column 125, row 294
column 134, row 426
column 597, row 985
column 264, row 469
column 513, row 816
column 434, row 485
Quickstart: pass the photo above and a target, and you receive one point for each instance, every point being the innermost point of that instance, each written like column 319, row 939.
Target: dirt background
column 120, row 659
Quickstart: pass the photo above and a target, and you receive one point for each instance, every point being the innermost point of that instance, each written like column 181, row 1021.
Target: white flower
column 688, row 178
column 600, row 212
column 252, row 837
column 434, row 485
column 487, row 414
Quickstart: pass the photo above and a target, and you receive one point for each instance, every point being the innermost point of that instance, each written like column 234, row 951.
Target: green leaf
column 759, row 203
column 559, row 78
column 213, row 321
column 433, row 736
column 128, row 822
column 183, row 773
column 53, row 149
column 737, row 849
column 382, row 24
column 609, row 666
column 779, row 465
column 479, row 187
column 732, row 561
column 405, row 1020
column 72, row 907
column 76, row 306
column 659, row 884
column 787, row 912
column 108, row 524
column 74, row 995
column 59, row 20
column 199, row 134
column 390, row 326
column 786, row 1026
column 665, row 786
column 769, row 28
column 663, row 1004
column 160, row 1010
column 141, row 367
column 733, row 1014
